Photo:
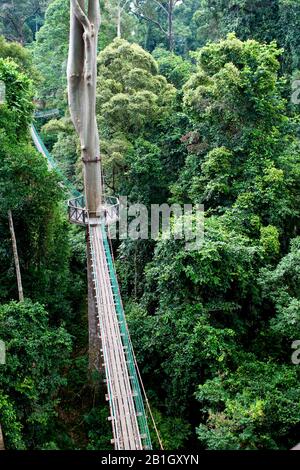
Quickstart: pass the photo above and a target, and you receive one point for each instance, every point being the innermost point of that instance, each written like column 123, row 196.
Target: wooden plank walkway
column 120, row 394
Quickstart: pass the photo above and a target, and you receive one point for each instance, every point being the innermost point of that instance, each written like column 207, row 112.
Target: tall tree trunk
column 119, row 16
column 82, row 80
column 16, row 256
column 170, row 25
column 1, row 440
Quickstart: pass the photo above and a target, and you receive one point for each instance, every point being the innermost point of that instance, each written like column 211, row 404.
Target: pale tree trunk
column 170, row 25
column 119, row 16
column 1, row 440
column 82, row 81
column 16, row 256
column 121, row 5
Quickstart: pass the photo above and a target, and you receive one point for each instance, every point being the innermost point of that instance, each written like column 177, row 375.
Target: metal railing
column 78, row 214
column 77, row 211
column 128, row 349
column 128, row 416
column 111, row 209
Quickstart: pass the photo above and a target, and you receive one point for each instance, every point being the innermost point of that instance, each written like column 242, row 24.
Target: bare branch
column 124, row 5
column 161, row 6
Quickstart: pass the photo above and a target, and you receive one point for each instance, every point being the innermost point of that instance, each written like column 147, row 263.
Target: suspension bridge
column 125, row 390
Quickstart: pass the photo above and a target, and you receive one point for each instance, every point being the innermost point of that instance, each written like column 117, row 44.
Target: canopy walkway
column 124, row 394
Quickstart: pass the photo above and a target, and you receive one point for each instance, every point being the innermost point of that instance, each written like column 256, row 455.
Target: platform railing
column 77, row 211
column 78, row 214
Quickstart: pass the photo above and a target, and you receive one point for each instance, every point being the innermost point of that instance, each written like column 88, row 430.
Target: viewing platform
column 79, row 215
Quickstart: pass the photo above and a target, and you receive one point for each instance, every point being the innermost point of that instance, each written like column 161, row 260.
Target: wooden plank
column 125, row 424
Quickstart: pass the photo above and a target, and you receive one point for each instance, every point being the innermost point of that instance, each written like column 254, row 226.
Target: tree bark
column 16, row 256
column 121, row 5
column 119, row 16
column 1, row 440
column 170, row 25
column 82, row 81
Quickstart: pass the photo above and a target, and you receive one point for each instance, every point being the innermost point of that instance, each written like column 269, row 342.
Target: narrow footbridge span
column 123, row 380
column 129, row 423
column 127, row 412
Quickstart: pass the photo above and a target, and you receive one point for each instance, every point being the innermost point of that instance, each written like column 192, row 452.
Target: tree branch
column 94, row 14
column 161, row 6
column 147, row 18
column 124, row 5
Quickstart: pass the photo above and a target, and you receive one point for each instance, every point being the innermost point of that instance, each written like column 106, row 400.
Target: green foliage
column 173, row 431
column 20, row 20
column 65, row 150
column 99, row 433
column 50, row 49
column 269, row 238
column 50, row 52
column 242, row 154
column 132, row 100
column 224, row 260
column 211, row 327
column 288, row 38
column 238, row 79
column 10, row 424
column 253, row 408
column 201, row 315
column 185, row 27
column 33, row 194
column 13, row 50
column 247, row 18
column 141, row 160
column 32, row 375
column 209, row 316
column 281, row 287
column 16, row 112
column 264, row 21
column 131, row 94
column 176, row 70
column 130, row 27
